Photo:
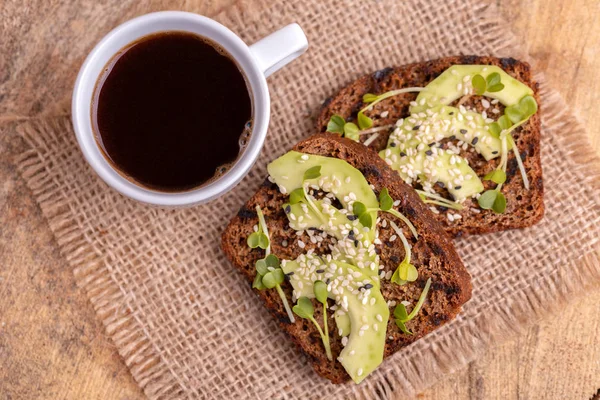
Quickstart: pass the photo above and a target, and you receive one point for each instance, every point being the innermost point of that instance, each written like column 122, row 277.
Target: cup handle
column 279, row 48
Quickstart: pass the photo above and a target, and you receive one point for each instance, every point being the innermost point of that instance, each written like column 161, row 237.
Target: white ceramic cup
column 257, row 62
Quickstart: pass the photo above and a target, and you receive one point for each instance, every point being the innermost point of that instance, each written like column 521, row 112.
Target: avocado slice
column 450, row 85
column 337, row 177
column 342, row 320
column 361, row 300
column 442, row 122
column 433, row 165
column 351, row 270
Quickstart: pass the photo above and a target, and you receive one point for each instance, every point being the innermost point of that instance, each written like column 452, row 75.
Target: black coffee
column 173, row 111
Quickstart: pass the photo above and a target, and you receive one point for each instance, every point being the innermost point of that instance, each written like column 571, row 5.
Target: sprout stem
column 263, row 227
column 504, row 157
column 419, row 304
column 285, row 304
column 391, row 94
column 375, row 129
column 324, row 338
column 520, row 163
column 371, row 139
column 327, row 347
column 454, row 206
column 445, row 202
column 401, row 216
column 407, row 252
column 312, row 205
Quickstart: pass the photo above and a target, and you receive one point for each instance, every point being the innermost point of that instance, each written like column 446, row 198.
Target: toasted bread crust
column 433, row 255
column 524, row 207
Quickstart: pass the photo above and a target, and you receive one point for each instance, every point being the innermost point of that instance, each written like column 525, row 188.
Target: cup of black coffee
column 172, row 108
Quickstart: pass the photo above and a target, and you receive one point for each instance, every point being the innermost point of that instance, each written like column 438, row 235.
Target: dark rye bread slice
column 524, row 207
column 433, row 255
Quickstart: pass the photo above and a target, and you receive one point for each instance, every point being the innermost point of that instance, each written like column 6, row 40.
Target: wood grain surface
column 51, row 345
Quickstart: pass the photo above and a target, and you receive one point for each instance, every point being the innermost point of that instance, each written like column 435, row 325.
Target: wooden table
column 52, row 346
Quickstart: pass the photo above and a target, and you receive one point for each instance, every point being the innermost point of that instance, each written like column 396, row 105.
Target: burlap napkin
column 188, row 325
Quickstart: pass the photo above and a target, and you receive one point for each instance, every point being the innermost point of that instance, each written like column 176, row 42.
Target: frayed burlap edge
column 157, row 381
column 91, row 274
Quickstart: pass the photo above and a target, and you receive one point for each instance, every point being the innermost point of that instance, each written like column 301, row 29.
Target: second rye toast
column 521, row 204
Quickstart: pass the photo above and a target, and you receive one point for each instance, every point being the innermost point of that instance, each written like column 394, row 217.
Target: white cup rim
column 125, row 33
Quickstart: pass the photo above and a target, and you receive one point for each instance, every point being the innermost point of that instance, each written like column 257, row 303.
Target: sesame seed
column 359, row 372
column 301, row 244
column 304, row 157
column 379, row 317
column 384, row 114
column 375, row 327
column 344, row 341
column 352, row 352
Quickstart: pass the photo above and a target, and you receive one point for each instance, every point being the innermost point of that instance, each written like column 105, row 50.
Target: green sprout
column 430, row 198
column 337, row 123
column 493, row 199
column 490, row 84
column 406, row 272
column 320, row 289
column 514, row 116
column 364, row 122
column 364, row 217
column 268, row 270
column 304, row 309
column 497, row 176
column 351, row 131
column 269, row 275
column 402, row 317
column 312, row 173
column 260, row 238
column 300, row 195
column 386, row 204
